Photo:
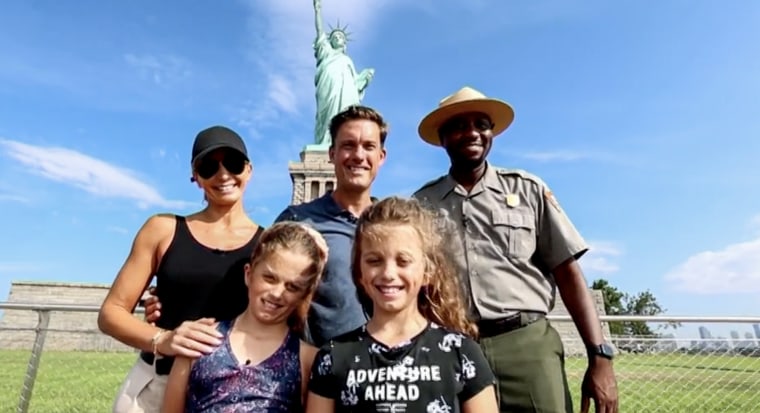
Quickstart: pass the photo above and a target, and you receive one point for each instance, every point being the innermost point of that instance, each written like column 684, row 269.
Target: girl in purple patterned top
column 262, row 365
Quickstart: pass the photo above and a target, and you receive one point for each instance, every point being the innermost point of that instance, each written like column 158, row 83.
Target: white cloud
column 87, row 173
column 282, row 34
column 733, row 269
column 600, row 259
column 161, row 70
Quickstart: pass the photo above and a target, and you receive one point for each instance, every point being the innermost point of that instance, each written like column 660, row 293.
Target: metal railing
column 55, row 359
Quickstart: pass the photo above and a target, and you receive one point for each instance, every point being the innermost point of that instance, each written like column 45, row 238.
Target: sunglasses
column 234, row 163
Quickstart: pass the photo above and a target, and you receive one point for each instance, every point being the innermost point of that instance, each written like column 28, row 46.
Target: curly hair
column 441, row 300
column 294, row 236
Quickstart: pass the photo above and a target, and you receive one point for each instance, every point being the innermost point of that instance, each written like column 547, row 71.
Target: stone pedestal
column 312, row 177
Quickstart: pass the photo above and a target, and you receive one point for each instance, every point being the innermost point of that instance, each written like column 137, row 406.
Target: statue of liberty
column 337, row 83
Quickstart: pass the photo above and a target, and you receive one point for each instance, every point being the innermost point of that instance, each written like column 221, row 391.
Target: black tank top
column 194, row 281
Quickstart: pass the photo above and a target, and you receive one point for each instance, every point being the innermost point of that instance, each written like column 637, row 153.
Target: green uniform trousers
column 529, row 364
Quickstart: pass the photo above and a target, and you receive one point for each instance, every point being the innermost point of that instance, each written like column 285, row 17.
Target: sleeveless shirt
column 218, row 383
column 194, row 281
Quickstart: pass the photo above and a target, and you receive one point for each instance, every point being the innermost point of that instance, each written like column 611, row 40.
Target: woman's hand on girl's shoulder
column 192, row 339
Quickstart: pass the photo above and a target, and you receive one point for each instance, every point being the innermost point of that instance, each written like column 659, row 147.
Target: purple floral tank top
column 219, row 384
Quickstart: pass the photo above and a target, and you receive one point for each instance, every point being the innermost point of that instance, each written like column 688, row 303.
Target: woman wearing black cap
column 198, row 265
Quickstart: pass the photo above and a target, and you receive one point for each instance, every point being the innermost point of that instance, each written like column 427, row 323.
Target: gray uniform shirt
column 510, row 233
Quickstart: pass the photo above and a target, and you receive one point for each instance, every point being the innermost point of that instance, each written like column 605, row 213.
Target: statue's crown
column 340, row 29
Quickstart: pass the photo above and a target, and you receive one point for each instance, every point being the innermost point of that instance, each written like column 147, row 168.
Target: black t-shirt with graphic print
column 434, row 372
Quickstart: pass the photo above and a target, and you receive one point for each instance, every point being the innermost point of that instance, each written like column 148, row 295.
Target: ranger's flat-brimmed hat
column 465, row 100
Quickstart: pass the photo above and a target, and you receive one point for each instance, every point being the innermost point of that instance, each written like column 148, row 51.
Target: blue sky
column 643, row 118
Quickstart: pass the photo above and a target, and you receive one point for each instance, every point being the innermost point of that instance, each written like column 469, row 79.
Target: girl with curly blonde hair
column 417, row 353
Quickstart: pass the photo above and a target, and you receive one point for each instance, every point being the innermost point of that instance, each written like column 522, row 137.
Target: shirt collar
column 332, row 207
column 490, row 180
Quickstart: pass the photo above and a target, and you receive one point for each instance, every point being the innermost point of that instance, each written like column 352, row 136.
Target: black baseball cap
column 214, row 138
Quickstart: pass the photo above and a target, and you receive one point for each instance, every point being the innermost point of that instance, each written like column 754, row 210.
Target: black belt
column 490, row 328
column 163, row 365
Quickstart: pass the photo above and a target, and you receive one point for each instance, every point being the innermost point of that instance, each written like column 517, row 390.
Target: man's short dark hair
column 357, row 112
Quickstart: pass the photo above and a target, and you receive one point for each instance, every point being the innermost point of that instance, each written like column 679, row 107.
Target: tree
column 643, row 303
column 613, row 304
column 617, row 302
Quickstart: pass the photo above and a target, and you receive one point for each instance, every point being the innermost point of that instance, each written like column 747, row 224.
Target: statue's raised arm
column 318, row 17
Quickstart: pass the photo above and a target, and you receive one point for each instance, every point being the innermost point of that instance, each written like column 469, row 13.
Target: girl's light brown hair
column 295, row 237
column 440, row 300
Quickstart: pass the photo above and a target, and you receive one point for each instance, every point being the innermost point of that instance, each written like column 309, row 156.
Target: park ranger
column 515, row 248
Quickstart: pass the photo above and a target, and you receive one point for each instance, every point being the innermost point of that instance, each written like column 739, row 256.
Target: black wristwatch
column 602, row 350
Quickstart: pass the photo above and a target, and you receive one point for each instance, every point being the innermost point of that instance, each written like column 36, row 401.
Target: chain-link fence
column 54, row 359
column 669, row 375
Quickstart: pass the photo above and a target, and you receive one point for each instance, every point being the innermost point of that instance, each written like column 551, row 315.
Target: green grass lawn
column 66, row 381
column 86, row 382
